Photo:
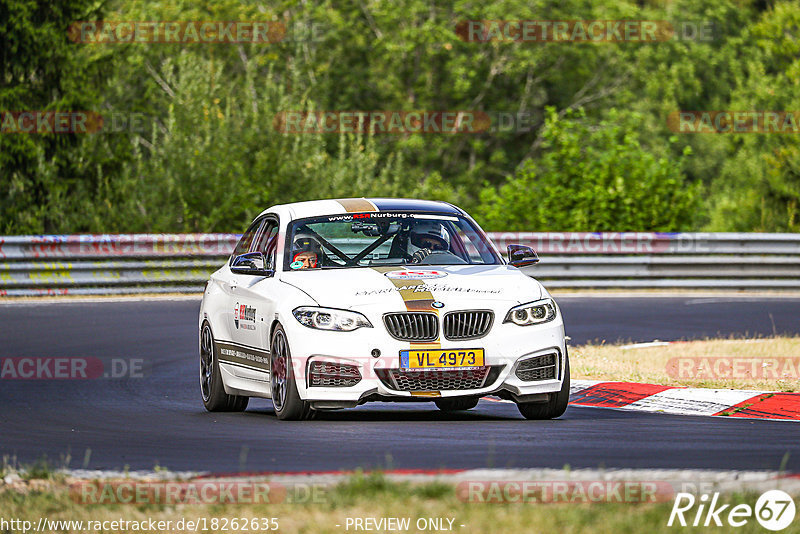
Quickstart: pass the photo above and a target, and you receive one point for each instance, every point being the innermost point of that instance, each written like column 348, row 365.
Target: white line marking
column 692, row 401
column 654, row 343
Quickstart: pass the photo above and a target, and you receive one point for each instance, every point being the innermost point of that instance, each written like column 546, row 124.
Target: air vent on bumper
column 438, row 379
column 333, row 375
column 544, row 367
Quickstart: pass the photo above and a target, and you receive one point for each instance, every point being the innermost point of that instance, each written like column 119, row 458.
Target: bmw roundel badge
column 437, row 304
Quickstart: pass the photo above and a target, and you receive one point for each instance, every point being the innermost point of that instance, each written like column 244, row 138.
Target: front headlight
column 330, row 319
column 541, row 311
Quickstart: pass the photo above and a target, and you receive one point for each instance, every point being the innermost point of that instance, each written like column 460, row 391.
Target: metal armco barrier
column 181, row 263
column 110, row 264
column 115, row 246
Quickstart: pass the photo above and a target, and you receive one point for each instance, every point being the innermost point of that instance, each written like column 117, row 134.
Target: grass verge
column 767, row 364
column 371, row 496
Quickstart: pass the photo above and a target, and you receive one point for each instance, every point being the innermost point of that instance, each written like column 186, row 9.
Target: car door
column 252, row 307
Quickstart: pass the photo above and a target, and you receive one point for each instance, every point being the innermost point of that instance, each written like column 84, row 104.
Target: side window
column 468, row 247
column 473, row 246
column 245, row 244
column 267, row 241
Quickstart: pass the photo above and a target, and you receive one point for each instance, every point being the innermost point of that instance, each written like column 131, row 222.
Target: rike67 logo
column 774, row 510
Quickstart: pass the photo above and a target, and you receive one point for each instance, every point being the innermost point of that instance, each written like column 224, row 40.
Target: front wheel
column 283, row 384
column 553, row 408
column 211, row 389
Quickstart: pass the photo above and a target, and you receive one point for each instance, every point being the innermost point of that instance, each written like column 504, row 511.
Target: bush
column 592, row 177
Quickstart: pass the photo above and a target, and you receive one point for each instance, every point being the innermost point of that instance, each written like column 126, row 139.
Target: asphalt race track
column 158, row 419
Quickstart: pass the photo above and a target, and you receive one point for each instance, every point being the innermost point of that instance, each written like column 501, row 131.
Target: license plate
column 438, row 358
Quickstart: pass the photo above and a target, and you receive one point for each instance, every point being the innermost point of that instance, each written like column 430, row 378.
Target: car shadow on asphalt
column 397, row 412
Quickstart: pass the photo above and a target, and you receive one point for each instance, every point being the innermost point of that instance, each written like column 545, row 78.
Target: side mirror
column 253, row 263
column 520, row 256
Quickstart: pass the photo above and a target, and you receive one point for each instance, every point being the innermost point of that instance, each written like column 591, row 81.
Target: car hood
column 349, row 288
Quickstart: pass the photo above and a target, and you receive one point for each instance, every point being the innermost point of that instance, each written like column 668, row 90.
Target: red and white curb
column 686, row 401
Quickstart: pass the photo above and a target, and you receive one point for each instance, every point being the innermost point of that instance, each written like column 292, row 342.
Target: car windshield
column 383, row 238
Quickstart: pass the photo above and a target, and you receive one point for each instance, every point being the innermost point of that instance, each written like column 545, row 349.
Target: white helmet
column 423, row 231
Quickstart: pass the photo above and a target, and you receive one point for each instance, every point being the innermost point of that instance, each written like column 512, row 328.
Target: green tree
column 592, row 177
column 40, row 70
column 758, row 187
column 209, row 157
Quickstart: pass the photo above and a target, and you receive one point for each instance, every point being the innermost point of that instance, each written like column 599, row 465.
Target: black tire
column 457, row 404
column 212, row 390
column 283, row 384
column 557, row 404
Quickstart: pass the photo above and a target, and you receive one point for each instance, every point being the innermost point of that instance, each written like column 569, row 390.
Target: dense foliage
column 194, row 144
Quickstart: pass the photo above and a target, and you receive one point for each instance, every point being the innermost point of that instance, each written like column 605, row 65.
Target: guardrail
column 181, row 263
column 662, row 260
column 110, row 264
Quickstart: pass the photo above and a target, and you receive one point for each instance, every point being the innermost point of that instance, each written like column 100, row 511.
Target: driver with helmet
column 305, row 250
column 428, row 237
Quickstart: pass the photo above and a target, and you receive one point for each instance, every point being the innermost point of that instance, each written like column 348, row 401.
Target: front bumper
column 376, row 356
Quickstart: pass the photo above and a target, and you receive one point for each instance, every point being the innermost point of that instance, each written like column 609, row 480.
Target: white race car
column 333, row 303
